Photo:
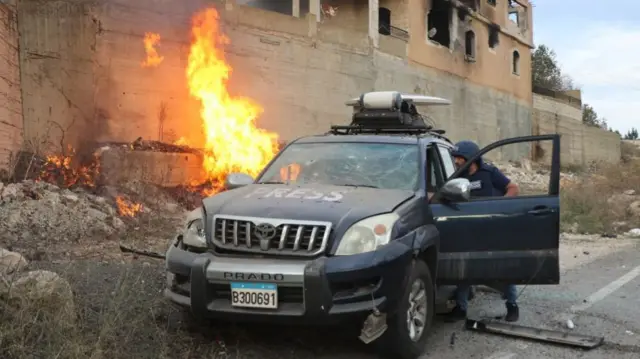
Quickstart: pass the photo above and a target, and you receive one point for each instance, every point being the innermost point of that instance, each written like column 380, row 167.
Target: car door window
column 447, row 161
column 435, row 177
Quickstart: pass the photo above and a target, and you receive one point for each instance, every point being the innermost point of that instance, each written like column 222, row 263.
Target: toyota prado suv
column 368, row 224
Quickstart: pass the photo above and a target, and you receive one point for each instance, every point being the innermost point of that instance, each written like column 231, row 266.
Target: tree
column 632, row 134
column 589, row 116
column 602, row 123
column 546, row 72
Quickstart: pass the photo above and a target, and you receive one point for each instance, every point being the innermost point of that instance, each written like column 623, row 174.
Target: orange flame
column 150, row 41
column 62, row 171
column 181, row 142
column 233, row 143
column 126, row 208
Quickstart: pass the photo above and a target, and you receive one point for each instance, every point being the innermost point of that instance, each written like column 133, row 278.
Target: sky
column 597, row 43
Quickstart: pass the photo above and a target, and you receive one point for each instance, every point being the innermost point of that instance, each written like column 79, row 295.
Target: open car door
column 498, row 240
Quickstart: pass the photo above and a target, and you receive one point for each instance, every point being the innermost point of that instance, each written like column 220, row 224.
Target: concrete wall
column 580, row 144
column 168, row 169
column 10, row 104
column 552, row 105
column 87, row 75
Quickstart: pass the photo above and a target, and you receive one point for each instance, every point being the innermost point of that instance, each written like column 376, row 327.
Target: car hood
column 339, row 205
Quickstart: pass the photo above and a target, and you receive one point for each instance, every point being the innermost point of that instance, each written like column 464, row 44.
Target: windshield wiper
column 355, row 185
column 271, row 182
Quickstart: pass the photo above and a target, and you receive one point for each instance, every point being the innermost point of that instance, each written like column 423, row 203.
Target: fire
column 181, row 142
column 150, row 41
column 233, row 143
column 64, row 172
column 127, row 208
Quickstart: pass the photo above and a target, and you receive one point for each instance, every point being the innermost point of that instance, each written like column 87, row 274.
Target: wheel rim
column 417, row 312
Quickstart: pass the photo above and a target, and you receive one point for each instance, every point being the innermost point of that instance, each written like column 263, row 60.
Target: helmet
column 466, row 150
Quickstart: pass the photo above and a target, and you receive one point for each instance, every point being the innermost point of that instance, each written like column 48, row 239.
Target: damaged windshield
column 377, row 165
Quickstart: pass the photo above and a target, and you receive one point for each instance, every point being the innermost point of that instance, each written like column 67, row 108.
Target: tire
column 397, row 342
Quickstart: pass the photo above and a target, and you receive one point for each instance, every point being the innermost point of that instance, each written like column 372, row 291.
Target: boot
column 456, row 314
column 513, row 313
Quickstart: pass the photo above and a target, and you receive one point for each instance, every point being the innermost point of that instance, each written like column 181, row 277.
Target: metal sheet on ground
column 558, row 337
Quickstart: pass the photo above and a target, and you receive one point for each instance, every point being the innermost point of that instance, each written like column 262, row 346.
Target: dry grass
column 121, row 314
column 38, row 329
column 596, row 203
column 630, row 150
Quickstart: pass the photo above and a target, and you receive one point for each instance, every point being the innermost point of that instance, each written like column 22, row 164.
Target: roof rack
column 407, row 130
column 389, row 112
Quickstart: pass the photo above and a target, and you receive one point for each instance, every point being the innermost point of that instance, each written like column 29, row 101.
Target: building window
column 469, row 45
column 491, row 2
column 494, row 35
column 439, row 21
column 282, row 7
column 515, row 62
column 384, row 21
column 517, row 13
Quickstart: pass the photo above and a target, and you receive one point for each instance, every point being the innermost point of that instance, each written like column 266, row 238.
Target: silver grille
column 286, row 237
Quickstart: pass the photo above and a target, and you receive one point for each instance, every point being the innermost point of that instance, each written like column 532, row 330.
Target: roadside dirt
column 579, row 249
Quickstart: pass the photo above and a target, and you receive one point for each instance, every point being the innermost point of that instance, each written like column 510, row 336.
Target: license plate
column 254, row 295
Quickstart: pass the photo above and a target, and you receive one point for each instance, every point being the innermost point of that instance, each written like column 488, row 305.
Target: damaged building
column 79, row 65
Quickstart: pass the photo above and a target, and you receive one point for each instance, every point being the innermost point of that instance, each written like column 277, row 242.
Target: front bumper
column 324, row 289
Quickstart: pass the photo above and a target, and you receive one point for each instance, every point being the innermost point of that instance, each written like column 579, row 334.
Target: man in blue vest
column 486, row 181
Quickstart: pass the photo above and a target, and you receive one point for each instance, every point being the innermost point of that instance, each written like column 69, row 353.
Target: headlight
column 194, row 234
column 367, row 235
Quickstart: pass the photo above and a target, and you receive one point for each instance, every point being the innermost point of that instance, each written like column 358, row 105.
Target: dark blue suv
column 368, row 224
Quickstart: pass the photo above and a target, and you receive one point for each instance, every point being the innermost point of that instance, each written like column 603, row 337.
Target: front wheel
column 408, row 328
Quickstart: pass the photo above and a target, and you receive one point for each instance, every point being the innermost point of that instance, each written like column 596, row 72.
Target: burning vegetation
column 62, row 171
column 127, row 208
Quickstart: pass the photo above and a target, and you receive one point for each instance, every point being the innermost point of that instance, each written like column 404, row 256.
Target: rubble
column 40, row 214
column 149, row 145
column 37, row 290
column 11, row 262
column 634, row 233
column 529, row 177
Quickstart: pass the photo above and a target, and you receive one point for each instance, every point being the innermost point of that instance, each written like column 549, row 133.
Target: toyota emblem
column 265, row 233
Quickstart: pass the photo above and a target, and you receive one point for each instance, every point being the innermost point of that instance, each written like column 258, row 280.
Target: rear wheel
column 409, row 327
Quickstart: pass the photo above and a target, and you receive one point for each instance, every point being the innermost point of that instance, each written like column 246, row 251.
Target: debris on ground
column 150, row 145
column 11, row 262
column 538, row 334
column 531, row 177
column 634, row 233
column 41, row 210
column 38, row 217
column 20, row 290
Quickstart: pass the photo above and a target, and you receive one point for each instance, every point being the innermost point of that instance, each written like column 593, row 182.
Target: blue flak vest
column 488, row 181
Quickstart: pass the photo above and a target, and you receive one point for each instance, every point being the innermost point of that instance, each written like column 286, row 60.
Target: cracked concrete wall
column 57, row 45
column 10, row 102
column 82, row 74
column 81, row 65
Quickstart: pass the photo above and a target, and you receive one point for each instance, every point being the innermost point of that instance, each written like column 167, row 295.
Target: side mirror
column 456, row 190
column 235, row 180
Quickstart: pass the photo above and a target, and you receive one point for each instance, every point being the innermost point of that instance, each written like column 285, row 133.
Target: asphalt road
column 600, row 297
column 599, row 290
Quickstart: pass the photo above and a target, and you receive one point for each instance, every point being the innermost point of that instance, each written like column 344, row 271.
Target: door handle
column 540, row 210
